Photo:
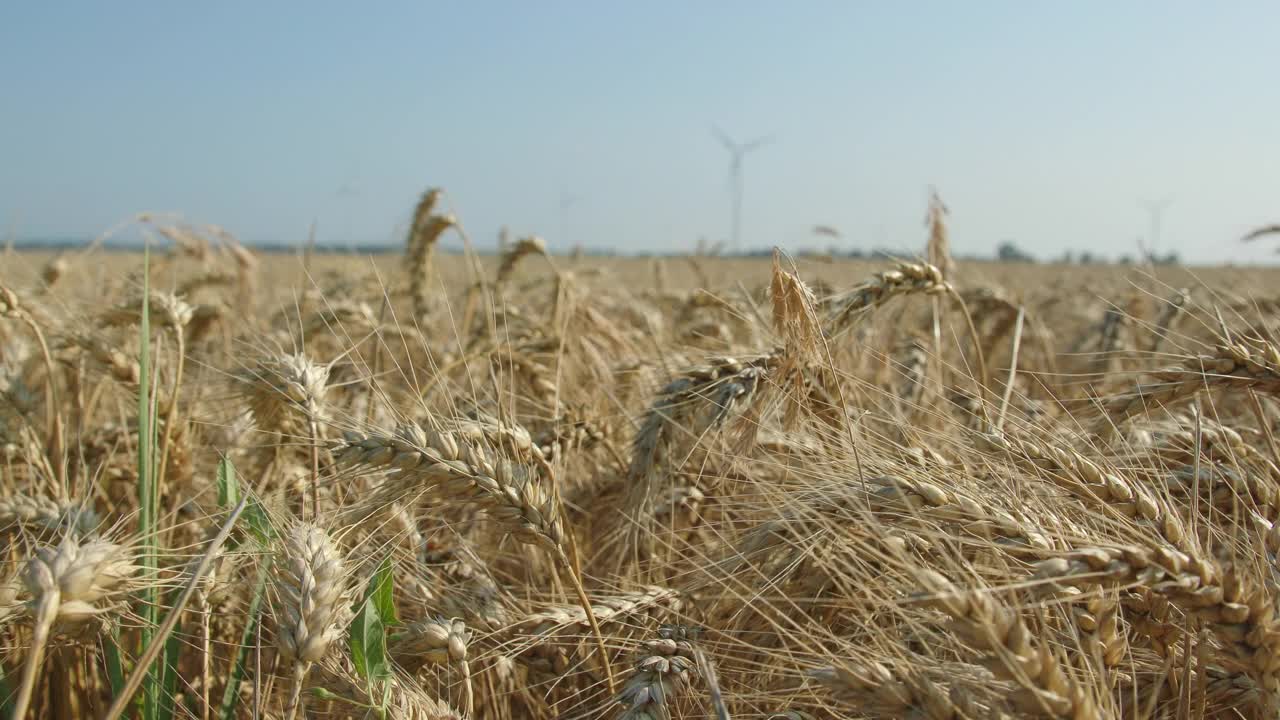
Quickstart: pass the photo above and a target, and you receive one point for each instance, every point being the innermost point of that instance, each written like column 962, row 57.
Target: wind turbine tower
column 567, row 202
column 1155, row 211
column 737, row 151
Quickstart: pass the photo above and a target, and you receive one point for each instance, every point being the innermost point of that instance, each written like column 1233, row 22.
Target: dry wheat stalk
column 424, row 233
column 187, row 241
column 1099, row 623
column 938, row 251
column 1105, row 490
column 1169, row 315
column 405, row 699
column 662, row 672
column 569, row 619
column 311, row 584
column 67, row 584
column 166, row 310
column 465, row 465
column 12, row 307
column 422, row 213
column 206, row 279
column 1239, row 611
column 437, row 641
column 204, row 318
column 878, row 690
column 286, row 393
column 1235, row 366
column 412, row 703
column 919, row 500
column 42, row 514
column 572, row 431
column 462, row 465
column 532, row 245
column 535, row 378
column 119, row 365
column 909, row 362
column 1143, row 565
column 246, row 275
column 986, row 624
column 906, row 279
column 701, row 399
column 547, row 639
column 1233, row 471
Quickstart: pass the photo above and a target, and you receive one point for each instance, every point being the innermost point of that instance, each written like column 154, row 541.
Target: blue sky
column 1041, row 123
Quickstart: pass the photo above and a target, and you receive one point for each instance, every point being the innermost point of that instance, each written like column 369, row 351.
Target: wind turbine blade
column 724, row 139
column 758, row 143
column 1261, row 232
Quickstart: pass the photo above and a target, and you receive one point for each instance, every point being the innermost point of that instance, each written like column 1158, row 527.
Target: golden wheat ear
column 312, row 586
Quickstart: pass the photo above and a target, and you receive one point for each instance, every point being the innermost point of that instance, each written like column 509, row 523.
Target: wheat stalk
column 1236, row 366
column 532, row 245
column 311, row 584
column 465, row 466
column 13, row 308
column 438, row 641
column 45, row 514
column 67, row 584
column 986, row 624
column 662, row 671
column 905, row 279
column 877, row 689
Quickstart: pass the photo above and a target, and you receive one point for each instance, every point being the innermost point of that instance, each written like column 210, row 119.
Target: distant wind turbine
column 567, row 202
column 1155, row 210
column 737, row 151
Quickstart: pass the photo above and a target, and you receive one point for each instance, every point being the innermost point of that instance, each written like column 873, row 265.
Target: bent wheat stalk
column 1233, row 366
column 465, row 466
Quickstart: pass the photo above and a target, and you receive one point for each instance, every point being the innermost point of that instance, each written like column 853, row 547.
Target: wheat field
column 437, row 485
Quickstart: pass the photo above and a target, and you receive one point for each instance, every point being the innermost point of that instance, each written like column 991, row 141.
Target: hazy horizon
column 1042, row 125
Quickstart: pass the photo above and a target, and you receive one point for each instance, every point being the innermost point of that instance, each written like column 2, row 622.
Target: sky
column 1050, row 125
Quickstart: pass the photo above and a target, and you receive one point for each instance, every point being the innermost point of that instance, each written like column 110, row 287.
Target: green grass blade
column 169, row 670
column 229, row 695
column 147, row 498
column 115, row 666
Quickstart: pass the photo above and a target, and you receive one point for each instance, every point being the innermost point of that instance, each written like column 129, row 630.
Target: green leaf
column 258, row 521
column 228, row 485
column 382, row 592
column 374, row 613
column 369, row 643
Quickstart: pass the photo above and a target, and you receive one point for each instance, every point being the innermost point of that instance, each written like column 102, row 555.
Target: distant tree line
column 1006, row 251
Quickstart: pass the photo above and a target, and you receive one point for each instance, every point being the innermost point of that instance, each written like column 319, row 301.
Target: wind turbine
column 737, row 151
column 567, row 202
column 1155, row 209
